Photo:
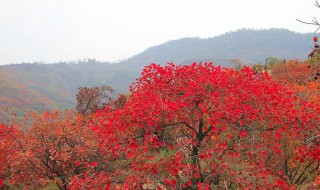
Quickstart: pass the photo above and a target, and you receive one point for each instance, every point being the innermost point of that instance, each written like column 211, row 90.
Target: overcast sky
column 111, row 30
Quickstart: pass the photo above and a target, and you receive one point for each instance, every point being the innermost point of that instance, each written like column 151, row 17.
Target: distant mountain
column 33, row 86
column 252, row 46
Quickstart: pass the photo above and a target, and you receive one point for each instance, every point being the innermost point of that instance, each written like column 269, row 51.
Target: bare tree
column 314, row 55
column 314, row 20
column 238, row 64
column 120, row 101
column 92, row 99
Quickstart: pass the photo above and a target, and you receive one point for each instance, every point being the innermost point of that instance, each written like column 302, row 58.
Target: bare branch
column 178, row 123
column 314, row 20
column 317, row 4
column 311, row 139
column 312, row 23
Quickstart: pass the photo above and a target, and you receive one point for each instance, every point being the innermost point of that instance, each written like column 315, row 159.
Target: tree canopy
column 196, row 126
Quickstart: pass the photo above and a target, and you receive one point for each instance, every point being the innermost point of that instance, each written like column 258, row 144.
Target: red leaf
column 243, row 133
column 77, row 163
column 196, row 175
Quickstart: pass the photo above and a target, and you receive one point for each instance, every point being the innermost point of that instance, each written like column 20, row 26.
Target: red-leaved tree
column 53, row 148
column 206, row 127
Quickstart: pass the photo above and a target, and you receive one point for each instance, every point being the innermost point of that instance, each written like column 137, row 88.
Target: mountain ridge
column 235, row 44
column 56, row 84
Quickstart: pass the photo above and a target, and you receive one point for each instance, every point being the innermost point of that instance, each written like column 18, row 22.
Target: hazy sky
column 110, row 30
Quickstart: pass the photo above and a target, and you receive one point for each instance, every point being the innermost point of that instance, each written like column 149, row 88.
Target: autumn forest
column 240, row 111
column 195, row 126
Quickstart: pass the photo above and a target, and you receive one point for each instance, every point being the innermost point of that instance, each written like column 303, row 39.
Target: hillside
column 252, row 46
column 27, row 86
column 55, row 83
column 20, row 99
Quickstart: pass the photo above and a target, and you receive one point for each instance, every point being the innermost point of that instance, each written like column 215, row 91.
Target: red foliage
column 186, row 125
column 183, row 127
column 300, row 78
column 8, row 147
column 54, row 148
